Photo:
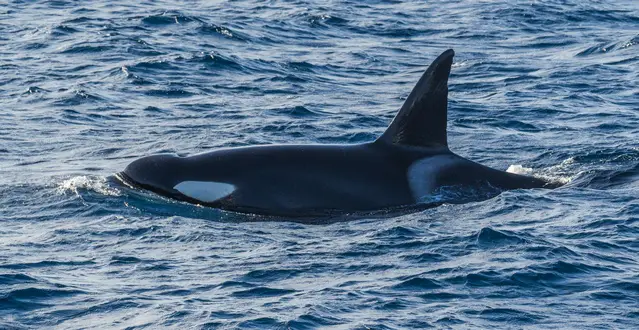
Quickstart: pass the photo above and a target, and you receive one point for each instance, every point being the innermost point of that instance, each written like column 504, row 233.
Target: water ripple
column 546, row 88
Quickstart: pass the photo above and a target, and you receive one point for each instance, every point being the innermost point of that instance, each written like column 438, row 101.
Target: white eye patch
column 205, row 191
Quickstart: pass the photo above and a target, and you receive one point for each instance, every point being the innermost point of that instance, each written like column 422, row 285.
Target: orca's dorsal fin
column 421, row 121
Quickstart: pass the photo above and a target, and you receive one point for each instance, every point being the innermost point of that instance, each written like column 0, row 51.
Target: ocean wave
column 546, row 89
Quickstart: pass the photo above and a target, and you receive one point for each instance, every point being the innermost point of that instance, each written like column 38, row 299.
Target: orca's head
column 157, row 173
column 170, row 175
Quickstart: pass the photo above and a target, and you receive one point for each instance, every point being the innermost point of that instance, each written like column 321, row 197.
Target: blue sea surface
column 548, row 88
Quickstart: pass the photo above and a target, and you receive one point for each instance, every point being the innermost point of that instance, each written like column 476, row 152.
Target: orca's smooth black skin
column 306, row 180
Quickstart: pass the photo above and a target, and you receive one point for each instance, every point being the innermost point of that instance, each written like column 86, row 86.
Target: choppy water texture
column 547, row 87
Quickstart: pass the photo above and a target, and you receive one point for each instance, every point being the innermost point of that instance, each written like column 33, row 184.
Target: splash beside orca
column 409, row 161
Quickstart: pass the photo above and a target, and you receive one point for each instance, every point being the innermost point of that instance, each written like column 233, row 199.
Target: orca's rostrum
column 408, row 162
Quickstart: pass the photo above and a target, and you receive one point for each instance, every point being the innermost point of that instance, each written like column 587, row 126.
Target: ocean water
column 548, row 88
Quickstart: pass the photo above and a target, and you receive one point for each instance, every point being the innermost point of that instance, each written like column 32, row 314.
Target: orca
column 407, row 163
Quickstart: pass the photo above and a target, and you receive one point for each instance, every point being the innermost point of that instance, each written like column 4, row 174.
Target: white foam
column 205, row 191
column 97, row 184
column 518, row 169
column 560, row 173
